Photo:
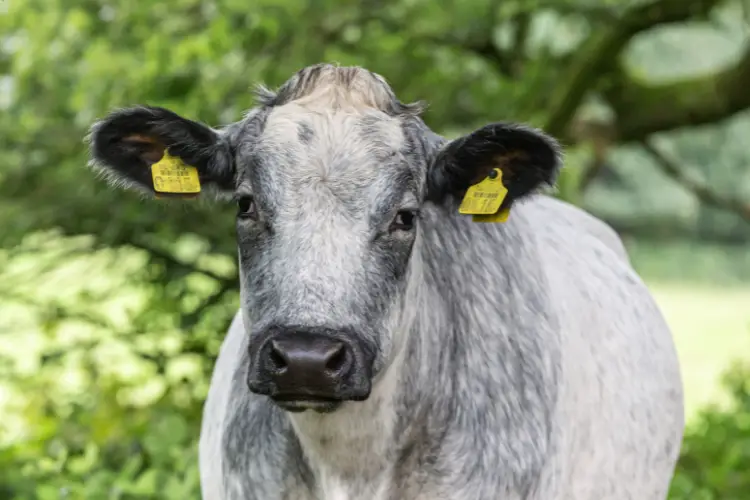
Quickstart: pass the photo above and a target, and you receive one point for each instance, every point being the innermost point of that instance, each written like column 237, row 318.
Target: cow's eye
column 246, row 208
column 404, row 221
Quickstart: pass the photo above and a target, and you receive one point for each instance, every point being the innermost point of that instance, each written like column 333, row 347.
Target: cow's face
column 331, row 177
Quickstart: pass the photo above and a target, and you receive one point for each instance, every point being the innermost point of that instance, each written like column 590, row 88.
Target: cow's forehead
column 324, row 131
column 354, row 154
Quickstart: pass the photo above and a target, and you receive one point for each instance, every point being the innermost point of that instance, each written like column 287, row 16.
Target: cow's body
column 391, row 349
column 542, row 369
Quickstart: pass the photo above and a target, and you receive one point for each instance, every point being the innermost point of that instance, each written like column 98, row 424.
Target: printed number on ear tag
column 485, row 197
column 171, row 175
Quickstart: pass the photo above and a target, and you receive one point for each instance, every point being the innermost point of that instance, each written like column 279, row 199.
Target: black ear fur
column 529, row 159
column 127, row 142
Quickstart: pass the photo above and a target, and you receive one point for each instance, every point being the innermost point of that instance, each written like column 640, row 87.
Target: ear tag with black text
column 482, row 200
column 173, row 177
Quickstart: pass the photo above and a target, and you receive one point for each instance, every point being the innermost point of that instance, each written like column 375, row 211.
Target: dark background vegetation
column 112, row 309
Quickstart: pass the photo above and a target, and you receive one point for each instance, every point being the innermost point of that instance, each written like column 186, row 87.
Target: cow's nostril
column 277, row 358
column 336, row 360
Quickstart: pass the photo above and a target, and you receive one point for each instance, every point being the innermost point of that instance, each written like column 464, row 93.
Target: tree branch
column 699, row 189
column 642, row 109
column 521, row 26
column 510, row 62
column 488, row 50
column 604, row 45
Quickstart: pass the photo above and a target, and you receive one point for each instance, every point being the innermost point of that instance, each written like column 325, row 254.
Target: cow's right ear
column 127, row 142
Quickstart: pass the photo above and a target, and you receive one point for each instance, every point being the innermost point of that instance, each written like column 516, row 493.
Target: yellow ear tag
column 483, row 200
column 172, row 176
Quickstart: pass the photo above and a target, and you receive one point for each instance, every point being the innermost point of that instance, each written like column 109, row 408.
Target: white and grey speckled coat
column 524, row 360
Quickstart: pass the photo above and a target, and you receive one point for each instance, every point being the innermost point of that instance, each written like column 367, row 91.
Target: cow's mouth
column 302, row 403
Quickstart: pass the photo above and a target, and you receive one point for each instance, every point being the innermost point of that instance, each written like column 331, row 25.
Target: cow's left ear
column 528, row 158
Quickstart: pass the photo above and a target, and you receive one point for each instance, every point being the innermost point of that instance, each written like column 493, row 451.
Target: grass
column 704, row 294
column 711, row 328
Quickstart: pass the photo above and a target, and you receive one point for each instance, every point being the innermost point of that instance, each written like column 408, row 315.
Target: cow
column 390, row 347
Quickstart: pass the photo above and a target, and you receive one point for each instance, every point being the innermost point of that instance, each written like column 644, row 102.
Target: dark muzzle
column 309, row 368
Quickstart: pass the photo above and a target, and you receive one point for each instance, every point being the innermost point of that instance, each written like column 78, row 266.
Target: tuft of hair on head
column 338, row 87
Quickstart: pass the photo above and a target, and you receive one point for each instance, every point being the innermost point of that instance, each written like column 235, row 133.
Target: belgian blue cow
column 389, row 347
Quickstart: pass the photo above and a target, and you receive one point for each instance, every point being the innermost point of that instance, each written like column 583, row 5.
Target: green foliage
column 715, row 457
column 105, row 388
column 104, row 451
column 684, row 262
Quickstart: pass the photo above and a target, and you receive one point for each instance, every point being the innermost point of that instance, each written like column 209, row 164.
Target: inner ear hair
column 508, row 162
column 150, row 149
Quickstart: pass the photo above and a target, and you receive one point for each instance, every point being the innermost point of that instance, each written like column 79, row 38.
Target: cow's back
column 582, row 222
column 620, row 413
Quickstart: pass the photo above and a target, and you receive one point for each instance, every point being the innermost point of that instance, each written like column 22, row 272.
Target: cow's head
column 332, row 177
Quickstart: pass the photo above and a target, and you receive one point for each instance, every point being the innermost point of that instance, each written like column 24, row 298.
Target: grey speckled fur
column 524, row 360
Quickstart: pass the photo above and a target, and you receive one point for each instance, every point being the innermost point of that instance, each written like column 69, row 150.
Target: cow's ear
column 127, row 142
column 528, row 158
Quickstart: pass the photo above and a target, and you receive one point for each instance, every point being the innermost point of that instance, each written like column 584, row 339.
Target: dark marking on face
column 305, row 133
